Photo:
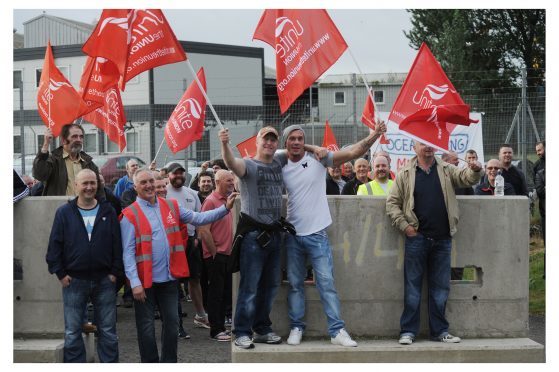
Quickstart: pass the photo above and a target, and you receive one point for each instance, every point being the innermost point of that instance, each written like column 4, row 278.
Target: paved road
column 201, row 349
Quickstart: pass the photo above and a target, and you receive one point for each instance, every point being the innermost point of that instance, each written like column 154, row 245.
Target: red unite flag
column 99, row 75
column 329, row 140
column 428, row 92
column 110, row 117
column 306, row 42
column 135, row 40
column 186, row 123
column 58, row 102
column 368, row 117
column 247, row 148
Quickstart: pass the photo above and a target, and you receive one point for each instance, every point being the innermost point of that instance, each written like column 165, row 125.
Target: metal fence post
column 523, row 121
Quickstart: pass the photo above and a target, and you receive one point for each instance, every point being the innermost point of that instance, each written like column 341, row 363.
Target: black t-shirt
column 429, row 205
column 515, row 177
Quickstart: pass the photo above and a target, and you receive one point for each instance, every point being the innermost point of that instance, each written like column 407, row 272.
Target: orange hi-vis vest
column 171, row 222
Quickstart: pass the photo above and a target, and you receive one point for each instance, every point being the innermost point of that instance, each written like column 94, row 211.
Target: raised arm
column 360, row 148
column 234, row 164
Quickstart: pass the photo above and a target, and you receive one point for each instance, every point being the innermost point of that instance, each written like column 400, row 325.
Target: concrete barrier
column 493, row 237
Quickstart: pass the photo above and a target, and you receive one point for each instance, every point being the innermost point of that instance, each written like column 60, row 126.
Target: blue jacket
column 70, row 252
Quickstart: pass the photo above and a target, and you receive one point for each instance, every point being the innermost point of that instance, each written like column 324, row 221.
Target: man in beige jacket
column 422, row 204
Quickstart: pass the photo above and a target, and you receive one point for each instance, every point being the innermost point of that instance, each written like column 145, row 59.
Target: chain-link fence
column 501, row 108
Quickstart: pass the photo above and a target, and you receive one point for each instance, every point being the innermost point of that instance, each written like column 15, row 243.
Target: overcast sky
column 375, row 37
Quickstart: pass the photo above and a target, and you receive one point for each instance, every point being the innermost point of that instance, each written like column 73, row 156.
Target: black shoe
column 157, row 315
column 183, row 333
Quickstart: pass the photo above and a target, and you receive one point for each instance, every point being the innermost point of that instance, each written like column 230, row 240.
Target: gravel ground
column 198, row 349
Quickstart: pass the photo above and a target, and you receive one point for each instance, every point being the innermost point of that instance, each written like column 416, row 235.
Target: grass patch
column 537, row 282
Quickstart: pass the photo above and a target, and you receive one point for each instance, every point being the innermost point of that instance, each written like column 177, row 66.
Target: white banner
column 400, row 148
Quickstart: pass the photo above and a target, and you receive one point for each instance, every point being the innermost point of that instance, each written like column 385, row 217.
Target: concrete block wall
column 493, row 235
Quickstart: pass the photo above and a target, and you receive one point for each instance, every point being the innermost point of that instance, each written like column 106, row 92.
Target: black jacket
column 332, row 187
column 516, row 178
column 351, row 187
column 70, row 252
column 485, row 188
column 51, row 170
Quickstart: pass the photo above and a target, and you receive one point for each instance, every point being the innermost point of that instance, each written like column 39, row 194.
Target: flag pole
column 364, row 80
column 204, row 93
column 159, row 149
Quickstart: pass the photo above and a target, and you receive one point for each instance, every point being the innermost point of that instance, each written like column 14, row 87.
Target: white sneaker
column 295, row 336
column 344, row 339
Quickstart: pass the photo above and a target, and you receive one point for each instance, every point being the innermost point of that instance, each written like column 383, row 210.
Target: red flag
column 307, row 43
column 110, row 118
column 426, row 86
column 186, row 123
column 434, row 125
column 58, row 102
column 247, row 148
column 329, row 140
column 368, row 117
column 99, row 74
column 135, row 40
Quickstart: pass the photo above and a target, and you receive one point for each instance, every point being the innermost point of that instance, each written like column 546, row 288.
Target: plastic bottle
column 499, row 184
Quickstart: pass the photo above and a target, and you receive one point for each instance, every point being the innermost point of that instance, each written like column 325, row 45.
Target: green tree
column 482, row 50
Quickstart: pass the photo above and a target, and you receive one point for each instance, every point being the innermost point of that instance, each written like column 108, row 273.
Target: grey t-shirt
column 261, row 188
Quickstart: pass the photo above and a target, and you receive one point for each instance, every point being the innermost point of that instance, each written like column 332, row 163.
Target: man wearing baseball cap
column 259, row 225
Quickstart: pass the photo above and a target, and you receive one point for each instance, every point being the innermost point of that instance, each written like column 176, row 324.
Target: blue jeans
column 425, row 254
column 317, row 247
column 166, row 296
column 75, row 298
column 260, row 281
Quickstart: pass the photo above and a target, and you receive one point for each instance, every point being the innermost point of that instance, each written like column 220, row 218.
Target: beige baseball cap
column 266, row 130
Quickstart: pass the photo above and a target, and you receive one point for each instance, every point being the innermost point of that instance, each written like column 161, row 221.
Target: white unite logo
column 287, row 34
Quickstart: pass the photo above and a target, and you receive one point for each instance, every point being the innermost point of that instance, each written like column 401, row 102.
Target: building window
column 17, row 144
column 64, row 69
column 111, row 146
column 132, row 142
column 379, row 96
column 90, row 143
column 339, row 98
column 18, row 77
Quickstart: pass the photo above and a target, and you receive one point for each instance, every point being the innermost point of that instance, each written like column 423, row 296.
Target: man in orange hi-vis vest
column 154, row 258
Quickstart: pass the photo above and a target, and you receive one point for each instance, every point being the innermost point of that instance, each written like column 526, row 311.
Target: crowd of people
column 157, row 237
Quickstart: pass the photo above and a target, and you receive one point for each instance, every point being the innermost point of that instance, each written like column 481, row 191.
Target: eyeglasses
column 493, row 168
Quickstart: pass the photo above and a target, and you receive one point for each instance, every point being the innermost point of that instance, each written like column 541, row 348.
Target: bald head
column 451, row 158
column 85, row 186
column 381, row 169
column 85, row 173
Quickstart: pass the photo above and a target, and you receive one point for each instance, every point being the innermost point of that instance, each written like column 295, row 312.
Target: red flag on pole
column 135, row 40
column 186, row 123
column 307, row 43
column 99, row 74
column 247, row 148
column 110, row 117
column 368, row 117
column 426, row 86
column 434, row 125
column 58, row 102
column 329, row 140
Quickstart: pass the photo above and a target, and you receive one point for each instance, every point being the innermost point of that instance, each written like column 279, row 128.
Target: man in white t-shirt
column 308, row 211
column 188, row 198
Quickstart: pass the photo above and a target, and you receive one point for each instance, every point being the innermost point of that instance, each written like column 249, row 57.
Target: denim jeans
column 103, row 297
column 166, row 296
column 317, row 247
column 431, row 255
column 260, row 281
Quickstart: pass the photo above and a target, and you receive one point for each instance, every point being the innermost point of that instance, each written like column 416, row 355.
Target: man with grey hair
column 308, row 211
column 154, row 258
column 125, row 182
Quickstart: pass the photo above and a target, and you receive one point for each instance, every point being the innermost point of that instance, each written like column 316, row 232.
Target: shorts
column 194, row 256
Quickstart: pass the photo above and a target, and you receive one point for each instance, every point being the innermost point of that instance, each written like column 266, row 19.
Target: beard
column 75, row 148
column 177, row 182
